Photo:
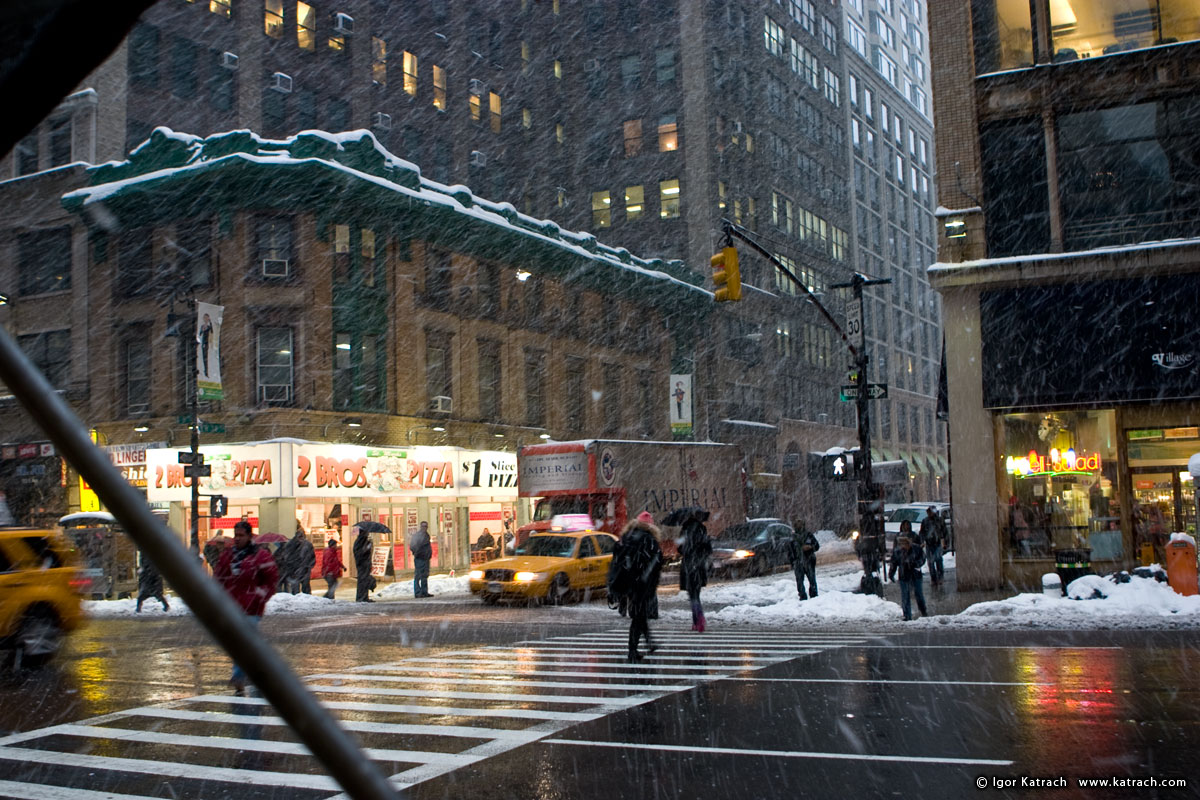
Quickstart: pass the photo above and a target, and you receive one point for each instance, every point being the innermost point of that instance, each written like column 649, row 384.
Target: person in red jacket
column 248, row 573
column 332, row 566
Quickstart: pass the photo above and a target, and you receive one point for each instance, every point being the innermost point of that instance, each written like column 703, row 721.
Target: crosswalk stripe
column 502, row 680
column 520, row 669
column 205, row 772
column 653, row 662
column 501, row 696
column 395, row 728
column 251, row 745
column 664, row 648
column 44, row 791
column 404, row 708
column 662, row 655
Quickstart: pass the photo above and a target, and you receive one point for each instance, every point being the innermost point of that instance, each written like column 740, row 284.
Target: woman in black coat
column 150, row 584
column 695, row 549
column 363, row 550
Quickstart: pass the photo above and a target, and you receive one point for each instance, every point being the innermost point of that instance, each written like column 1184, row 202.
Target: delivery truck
column 612, row 481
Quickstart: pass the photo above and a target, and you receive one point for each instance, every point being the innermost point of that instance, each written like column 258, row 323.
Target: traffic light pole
column 871, row 542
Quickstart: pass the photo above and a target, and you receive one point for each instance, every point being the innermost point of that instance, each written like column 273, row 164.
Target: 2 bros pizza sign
column 288, row 469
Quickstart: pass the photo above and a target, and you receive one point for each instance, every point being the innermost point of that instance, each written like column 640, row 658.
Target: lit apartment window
column 668, row 134
column 367, row 249
column 560, row 133
column 721, row 192
column 526, row 118
column 558, row 70
column 749, row 143
column 554, row 6
column 633, row 137
column 475, row 103
column 601, row 209
column 668, row 199
column 379, row 61
column 439, row 88
column 525, row 56
column 273, row 18
column 494, row 111
column 222, row 7
column 306, row 26
column 410, row 73
column 635, row 202
column 341, row 252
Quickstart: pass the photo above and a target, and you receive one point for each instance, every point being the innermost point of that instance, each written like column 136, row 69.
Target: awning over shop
column 941, row 466
column 916, row 463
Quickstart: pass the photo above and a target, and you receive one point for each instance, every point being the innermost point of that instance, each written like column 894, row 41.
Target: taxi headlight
column 527, row 577
column 476, row 575
column 742, row 553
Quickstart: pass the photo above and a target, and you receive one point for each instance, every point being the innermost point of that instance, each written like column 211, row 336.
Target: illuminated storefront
column 329, row 487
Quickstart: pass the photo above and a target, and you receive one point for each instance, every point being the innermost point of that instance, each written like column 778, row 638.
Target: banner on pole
column 680, row 403
column 208, row 351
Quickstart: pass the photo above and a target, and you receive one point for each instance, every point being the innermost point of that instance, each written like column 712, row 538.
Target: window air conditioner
column 737, row 127
column 281, row 83
column 441, row 404
column 477, row 87
column 343, row 24
column 381, row 121
column 229, row 60
column 591, row 65
column 478, row 158
column 275, row 267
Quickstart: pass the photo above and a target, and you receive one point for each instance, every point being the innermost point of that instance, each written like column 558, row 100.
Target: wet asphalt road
column 742, row 713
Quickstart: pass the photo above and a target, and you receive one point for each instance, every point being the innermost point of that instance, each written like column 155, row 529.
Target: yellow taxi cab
column 39, row 594
column 548, row 566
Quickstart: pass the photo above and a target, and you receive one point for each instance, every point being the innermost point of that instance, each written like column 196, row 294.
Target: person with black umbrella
column 364, row 548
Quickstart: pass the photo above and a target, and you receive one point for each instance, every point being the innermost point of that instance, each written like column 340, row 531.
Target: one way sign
column 875, row 391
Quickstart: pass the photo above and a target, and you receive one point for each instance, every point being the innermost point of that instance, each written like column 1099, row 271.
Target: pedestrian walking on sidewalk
column 364, row 548
column 422, row 552
column 907, row 559
column 633, row 576
column 695, row 550
column 248, row 573
column 150, row 584
column 802, row 553
column 332, row 566
column 933, row 537
column 300, row 560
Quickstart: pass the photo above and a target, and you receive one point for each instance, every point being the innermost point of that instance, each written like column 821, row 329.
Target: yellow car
column 39, row 595
column 549, row 566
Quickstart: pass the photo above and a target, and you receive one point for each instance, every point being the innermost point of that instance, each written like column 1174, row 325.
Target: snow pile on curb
column 439, row 585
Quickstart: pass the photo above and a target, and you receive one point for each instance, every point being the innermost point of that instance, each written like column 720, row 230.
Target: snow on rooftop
column 750, row 423
column 979, row 263
column 169, row 154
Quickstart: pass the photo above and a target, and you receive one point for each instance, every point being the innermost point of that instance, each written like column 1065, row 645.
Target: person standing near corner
column 802, row 552
column 422, row 551
column 933, row 537
column 364, row 549
column 332, row 566
column 248, row 573
column 907, row 559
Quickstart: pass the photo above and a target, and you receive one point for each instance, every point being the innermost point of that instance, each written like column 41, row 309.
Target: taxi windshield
column 552, row 546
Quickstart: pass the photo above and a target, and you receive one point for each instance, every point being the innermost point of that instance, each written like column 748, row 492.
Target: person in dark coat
column 422, row 552
column 485, row 543
column 300, row 561
column 248, row 573
column 363, row 550
column 332, row 566
column 933, row 537
column 213, row 549
column 802, row 553
column 907, row 558
column 695, row 550
column 150, row 584
column 639, row 549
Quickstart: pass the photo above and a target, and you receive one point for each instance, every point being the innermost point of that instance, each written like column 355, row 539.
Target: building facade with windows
column 891, row 146
column 646, row 125
column 368, row 313
column 1069, row 273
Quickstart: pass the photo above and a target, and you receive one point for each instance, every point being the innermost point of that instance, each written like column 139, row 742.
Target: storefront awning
column 941, row 466
column 916, row 463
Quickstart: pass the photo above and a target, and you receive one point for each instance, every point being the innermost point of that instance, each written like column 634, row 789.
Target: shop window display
column 1062, row 483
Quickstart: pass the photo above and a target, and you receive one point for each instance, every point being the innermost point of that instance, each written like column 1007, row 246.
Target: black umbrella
column 679, row 516
column 371, row 526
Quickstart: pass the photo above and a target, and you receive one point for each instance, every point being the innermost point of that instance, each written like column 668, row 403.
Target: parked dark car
column 754, row 547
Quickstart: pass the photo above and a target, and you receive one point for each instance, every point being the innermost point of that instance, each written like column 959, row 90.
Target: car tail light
column 79, row 584
column 743, row 553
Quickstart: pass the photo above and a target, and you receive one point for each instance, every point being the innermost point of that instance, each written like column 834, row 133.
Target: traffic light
column 839, row 467
column 726, row 275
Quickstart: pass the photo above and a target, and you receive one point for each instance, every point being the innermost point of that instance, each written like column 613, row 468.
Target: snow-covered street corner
column 439, row 586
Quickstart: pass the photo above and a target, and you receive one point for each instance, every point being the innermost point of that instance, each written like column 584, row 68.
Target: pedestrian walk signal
column 217, row 505
column 726, row 275
column 839, row 467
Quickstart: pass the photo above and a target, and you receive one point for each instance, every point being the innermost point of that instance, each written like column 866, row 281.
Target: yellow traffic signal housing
column 727, row 276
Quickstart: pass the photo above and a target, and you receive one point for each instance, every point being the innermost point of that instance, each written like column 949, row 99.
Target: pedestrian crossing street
column 418, row 718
